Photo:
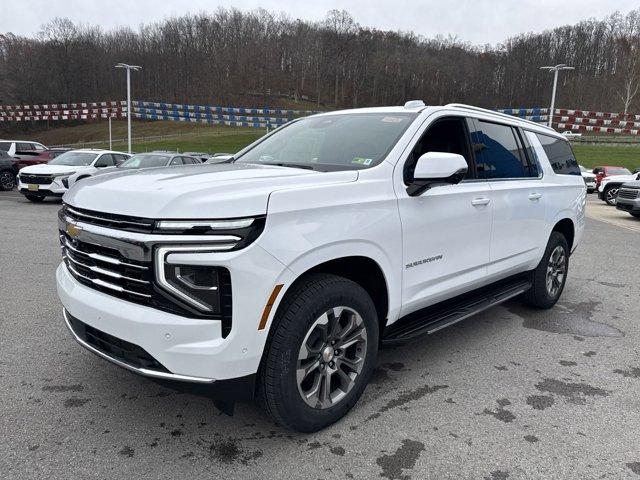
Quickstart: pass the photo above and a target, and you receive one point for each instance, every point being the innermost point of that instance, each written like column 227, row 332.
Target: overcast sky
column 476, row 21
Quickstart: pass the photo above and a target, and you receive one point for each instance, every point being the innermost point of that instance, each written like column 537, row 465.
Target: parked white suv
column 279, row 275
column 52, row 179
column 589, row 179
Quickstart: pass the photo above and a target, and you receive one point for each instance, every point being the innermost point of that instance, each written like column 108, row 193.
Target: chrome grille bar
column 108, row 273
column 103, row 258
column 104, row 284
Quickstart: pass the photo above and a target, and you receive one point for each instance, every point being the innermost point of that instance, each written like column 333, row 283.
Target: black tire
column 637, row 215
column 278, row 388
column 610, row 194
column 539, row 295
column 35, row 198
column 7, row 180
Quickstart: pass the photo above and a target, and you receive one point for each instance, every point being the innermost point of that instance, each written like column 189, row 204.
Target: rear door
column 518, row 195
column 446, row 231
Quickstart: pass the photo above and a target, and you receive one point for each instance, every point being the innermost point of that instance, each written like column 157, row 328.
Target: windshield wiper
column 291, row 165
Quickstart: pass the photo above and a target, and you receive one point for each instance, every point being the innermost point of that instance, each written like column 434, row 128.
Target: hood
column 620, row 178
column 588, row 175
column 46, row 169
column 195, row 191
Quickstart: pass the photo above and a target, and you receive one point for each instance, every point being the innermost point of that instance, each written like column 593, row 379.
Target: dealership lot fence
column 563, row 119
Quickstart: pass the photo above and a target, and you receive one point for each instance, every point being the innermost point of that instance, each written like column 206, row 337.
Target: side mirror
column 437, row 168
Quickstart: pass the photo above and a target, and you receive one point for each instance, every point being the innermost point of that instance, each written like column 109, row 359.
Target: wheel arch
column 567, row 228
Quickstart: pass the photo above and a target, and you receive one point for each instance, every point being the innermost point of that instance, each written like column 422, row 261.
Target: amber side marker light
column 269, row 306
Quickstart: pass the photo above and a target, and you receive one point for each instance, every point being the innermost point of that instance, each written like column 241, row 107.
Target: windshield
column 618, row 171
column 332, row 142
column 5, row 146
column 146, row 160
column 76, row 159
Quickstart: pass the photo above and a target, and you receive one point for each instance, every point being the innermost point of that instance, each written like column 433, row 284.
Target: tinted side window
column 499, row 153
column 176, row 161
column 105, row 161
column 560, row 155
column 24, row 146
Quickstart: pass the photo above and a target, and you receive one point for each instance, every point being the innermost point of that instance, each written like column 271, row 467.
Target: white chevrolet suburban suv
column 278, row 275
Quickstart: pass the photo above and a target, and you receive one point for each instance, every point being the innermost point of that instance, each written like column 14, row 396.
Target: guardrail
column 563, row 119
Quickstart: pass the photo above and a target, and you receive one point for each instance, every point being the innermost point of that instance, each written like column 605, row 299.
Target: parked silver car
column 140, row 160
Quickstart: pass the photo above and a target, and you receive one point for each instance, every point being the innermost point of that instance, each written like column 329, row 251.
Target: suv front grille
column 36, row 179
column 628, row 193
column 106, row 270
column 114, row 347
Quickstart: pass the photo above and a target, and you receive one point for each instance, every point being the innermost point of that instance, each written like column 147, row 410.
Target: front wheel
column 320, row 354
column 637, row 215
column 7, row 180
column 610, row 195
column 550, row 275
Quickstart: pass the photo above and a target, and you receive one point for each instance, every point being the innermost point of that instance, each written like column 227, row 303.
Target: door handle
column 480, row 201
column 535, row 196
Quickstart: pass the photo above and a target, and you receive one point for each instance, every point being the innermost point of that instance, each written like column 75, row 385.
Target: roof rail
column 493, row 112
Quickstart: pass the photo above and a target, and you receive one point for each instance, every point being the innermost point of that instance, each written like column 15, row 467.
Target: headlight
column 195, row 285
column 65, row 182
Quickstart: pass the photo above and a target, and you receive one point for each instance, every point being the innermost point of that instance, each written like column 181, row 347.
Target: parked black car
column 8, row 172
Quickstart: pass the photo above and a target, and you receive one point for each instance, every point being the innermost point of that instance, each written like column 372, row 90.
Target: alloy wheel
column 611, row 196
column 556, row 271
column 7, row 181
column 331, row 357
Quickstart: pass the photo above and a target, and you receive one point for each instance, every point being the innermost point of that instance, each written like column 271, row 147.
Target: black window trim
column 509, row 179
column 531, row 159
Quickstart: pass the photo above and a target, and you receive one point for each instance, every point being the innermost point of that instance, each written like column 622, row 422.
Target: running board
column 449, row 312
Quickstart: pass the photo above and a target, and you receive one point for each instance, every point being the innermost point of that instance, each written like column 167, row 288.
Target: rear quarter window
column 560, row 155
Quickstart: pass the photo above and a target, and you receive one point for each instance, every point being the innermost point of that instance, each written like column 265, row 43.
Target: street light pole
column 555, row 70
column 128, row 68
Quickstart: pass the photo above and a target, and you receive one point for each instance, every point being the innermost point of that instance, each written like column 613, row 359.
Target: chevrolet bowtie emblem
column 73, row 230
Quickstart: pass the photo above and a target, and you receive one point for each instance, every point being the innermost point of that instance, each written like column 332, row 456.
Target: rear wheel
column 7, row 180
column 321, row 353
column 35, row 198
column 610, row 195
column 550, row 275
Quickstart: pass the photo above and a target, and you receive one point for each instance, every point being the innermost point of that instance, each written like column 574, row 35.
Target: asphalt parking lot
column 509, row 394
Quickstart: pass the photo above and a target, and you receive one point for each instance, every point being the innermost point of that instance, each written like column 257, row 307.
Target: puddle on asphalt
column 567, row 318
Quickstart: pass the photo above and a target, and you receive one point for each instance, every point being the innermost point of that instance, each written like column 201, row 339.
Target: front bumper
column 627, row 205
column 53, row 189
column 191, row 350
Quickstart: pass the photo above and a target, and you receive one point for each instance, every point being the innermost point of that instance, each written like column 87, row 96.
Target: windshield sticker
column 362, row 161
column 392, row 119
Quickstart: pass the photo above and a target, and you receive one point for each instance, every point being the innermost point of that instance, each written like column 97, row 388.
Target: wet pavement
column 512, row 393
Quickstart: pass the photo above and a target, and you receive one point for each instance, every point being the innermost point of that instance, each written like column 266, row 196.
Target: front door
column 446, row 230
